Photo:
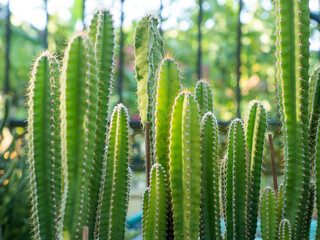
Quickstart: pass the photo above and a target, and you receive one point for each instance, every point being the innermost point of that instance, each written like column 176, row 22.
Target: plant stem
column 274, row 171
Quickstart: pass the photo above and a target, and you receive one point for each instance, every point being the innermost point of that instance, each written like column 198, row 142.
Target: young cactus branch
column 185, row 167
column 79, row 97
column 155, row 218
column 292, row 66
column 255, row 130
column 44, row 145
column 285, row 230
column 210, row 201
column 204, row 97
column 236, row 182
column 268, row 209
column 114, row 192
column 101, row 34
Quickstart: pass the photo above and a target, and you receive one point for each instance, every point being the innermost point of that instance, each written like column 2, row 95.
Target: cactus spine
column 255, row 129
column 268, row 209
column 292, row 66
column 101, row 34
column 156, row 215
column 210, row 201
column 236, row 182
column 204, row 97
column 285, row 230
column 185, row 167
column 114, row 192
column 148, row 54
column 44, row 156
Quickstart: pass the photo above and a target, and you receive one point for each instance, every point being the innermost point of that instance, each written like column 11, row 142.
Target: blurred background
column 228, row 42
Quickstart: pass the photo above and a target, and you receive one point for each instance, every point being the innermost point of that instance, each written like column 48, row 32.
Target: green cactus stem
column 145, row 203
column 255, row 130
column 204, row 97
column 185, row 166
column 101, row 34
column 285, row 230
column 236, row 182
column 268, row 209
column 317, row 157
column 44, row 145
column 308, row 217
column 210, row 201
column 223, row 187
column 114, row 192
column 79, row 97
column 148, row 54
column 280, row 204
column 157, row 206
column 292, row 65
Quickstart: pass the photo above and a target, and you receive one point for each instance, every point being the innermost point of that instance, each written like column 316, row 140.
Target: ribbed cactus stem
column 236, row 182
column 145, row 203
column 101, row 34
column 280, row 204
column 285, row 230
column 148, row 54
column 268, row 209
column 204, row 97
column 292, row 65
column 114, row 192
column 79, row 97
column 255, row 130
column 44, row 145
column 306, row 224
column 317, row 177
column 223, row 187
column 155, row 222
column 185, row 167
column 210, row 201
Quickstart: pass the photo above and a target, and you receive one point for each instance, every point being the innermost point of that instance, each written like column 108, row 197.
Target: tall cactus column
column 44, row 145
column 236, row 182
column 79, row 97
column 292, row 66
column 185, row 167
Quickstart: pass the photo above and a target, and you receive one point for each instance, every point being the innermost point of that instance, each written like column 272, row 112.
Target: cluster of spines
column 210, row 201
column 285, row 230
column 156, row 212
column 79, row 95
column 255, row 129
column 44, row 155
column 204, row 97
column 268, row 209
column 101, row 34
column 149, row 50
column 236, row 182
column 292, row 63
column 185, row 166
column 116, row 178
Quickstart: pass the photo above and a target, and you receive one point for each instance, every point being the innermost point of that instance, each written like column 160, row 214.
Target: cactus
column 306, row 224
column 268, row 209
column 236, row 182
column 317, row 177
column 79, row 97
column 101, row 34
column 280, row 204
column 44, row 156
column 185, row 167
column 114, row 191
column 255, row 130
column 148, row 54
column 292, row 76
column 156, row 215
column 210, row 202
column 145, row 203
column 204, row 97
column 285, row 230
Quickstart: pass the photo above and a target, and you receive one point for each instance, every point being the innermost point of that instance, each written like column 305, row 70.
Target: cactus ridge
column 116, row 178
column 79, row 95
column 268, row 214
column 292, row 64
column 184, row 156
column 44, row 156
column 156, row 213
column 255, row 130
column 210, row 202
column 145, row 203
column 204, row 96
column 236, row 183
column 317, row 177
column 285, row 230
column 101, row 33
